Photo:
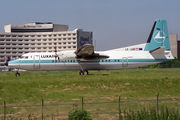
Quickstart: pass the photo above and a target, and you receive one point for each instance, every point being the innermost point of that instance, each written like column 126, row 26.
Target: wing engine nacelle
column 66, row 55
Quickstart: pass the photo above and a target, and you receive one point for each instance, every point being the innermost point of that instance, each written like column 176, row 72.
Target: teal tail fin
column 159, row 36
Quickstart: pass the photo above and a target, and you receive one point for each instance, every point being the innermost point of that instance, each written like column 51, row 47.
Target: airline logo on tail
column 159, row 36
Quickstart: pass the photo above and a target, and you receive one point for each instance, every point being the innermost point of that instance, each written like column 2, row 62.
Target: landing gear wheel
column 17, row 74
column 86, row 72
column 81, row 72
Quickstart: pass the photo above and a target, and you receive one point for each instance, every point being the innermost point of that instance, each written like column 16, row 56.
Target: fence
column 98, row 110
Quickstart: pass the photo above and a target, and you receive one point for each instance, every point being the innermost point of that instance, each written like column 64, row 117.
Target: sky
column 114, row 23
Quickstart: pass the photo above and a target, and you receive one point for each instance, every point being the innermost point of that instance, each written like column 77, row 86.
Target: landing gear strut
column 83, row 72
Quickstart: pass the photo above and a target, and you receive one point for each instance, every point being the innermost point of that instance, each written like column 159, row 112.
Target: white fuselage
column 117, row 60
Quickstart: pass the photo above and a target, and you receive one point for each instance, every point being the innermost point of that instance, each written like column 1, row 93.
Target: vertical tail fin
column 159, row 36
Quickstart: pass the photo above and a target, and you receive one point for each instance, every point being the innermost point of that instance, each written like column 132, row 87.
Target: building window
column 8, row 36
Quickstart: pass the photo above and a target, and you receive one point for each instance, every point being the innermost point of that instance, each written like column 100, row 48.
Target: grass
column 100, row 86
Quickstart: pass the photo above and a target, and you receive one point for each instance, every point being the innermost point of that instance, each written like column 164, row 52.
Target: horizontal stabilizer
column 159, row 50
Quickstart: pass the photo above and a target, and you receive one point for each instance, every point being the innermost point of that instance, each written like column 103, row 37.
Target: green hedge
column 168, row 64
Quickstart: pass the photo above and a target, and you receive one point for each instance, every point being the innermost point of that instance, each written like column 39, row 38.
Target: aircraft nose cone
column 6, row 64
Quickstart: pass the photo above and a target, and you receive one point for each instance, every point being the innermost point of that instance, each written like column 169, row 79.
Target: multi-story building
column 39, row 37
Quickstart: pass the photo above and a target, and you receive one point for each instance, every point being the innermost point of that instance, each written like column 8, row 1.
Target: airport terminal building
column 39, row 37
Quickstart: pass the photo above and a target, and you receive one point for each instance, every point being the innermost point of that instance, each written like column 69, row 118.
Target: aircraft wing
column 86, row 53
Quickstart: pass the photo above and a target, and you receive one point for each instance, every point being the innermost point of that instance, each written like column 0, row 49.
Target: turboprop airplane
column 155, row 50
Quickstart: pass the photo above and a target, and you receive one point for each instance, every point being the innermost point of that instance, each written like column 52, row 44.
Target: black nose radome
column 6, row 64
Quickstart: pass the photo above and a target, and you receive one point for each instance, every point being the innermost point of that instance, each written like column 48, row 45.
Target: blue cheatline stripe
column 100, row 61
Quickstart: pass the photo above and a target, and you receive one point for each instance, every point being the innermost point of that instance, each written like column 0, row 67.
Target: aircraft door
column 36, row 62
column 124, row 61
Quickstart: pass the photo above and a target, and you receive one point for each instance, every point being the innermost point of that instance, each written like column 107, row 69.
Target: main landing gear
column 83, row 72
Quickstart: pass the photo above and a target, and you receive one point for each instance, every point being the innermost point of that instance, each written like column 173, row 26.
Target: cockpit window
column 24, row 57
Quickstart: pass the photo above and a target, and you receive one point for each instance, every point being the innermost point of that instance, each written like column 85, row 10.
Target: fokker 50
column 155, row 50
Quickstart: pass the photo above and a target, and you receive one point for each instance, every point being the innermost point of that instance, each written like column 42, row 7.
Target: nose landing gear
column 17, row 74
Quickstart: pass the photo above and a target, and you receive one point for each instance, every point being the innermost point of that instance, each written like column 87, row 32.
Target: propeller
column 56, row 55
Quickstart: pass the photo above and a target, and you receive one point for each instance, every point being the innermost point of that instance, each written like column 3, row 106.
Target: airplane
column 157, row 49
